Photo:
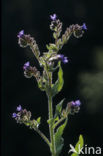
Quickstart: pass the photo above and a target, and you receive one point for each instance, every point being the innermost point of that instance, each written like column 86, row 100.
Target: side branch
column 43, row 136
column 58, row 122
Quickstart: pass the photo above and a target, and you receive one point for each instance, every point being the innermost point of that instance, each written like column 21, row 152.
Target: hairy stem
column 43, row 136
column 51, row 129
column 58, row 122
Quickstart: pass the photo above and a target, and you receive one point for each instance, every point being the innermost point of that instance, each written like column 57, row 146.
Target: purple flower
column 26, row 65
column 77, row 103
column 14, row 115
column 19, row 108
column 21, row 33
column 84, row 27
column 53, row 17
column 63, row 59
column 73, row 107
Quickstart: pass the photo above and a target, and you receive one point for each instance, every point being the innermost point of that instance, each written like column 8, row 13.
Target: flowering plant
column 50, row 62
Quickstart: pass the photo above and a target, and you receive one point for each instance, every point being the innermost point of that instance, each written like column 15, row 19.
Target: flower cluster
column 22, row 115
column 55, row 26
column 73, row 107
column 78, row 31
column 26, row 40
column 30, row 71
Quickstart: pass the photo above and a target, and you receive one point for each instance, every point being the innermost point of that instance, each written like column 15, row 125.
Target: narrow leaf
column 59, row 141
column 78, row 146
column 56, row 88
column 38, row 120
column 54, row 35
column 58, row 108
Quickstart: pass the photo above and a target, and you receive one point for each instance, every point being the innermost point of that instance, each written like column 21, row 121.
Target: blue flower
column 84, row 27
column 77, row 103
column 14, row 115
column 21, row 33
column 53, row 17
column 19, row 108
column 26, row 65
column 63, row 59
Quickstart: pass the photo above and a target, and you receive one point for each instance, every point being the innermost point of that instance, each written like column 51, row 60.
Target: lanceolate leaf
column 59, row 141
column 38, row 120
column 56, row 88
column 58, row 108
column 78, row 146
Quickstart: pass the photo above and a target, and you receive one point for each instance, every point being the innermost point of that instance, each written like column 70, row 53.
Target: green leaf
column 56, row 88
column 59, row 141
column 56, row 118
column 58, row 108
column 54, row 35
column 79, row 143
column 38, row 120
column 52, row 46
column 50, row 121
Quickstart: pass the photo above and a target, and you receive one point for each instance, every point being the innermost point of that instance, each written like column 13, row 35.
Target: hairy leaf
column 58, row 108
column 59, row 141
column 56, row 88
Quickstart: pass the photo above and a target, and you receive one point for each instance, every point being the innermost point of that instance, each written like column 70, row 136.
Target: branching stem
column 51, row 129
column 58, row 122
column 43, row 136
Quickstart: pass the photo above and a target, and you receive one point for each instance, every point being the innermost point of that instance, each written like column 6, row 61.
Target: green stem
column 51, row 126
column 58, row 122
column 43, row 136
column 35, row 51
column 51, row 129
